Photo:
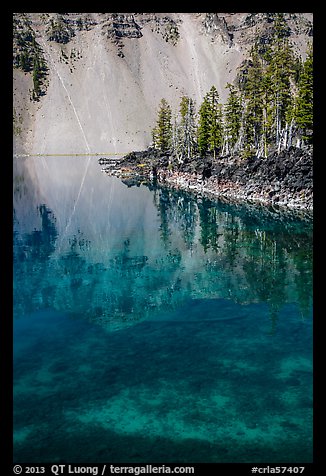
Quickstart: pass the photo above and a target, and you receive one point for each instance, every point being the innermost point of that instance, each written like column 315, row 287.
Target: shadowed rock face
column 103, row 74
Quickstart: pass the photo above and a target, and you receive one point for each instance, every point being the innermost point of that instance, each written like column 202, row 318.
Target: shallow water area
column 150, row 326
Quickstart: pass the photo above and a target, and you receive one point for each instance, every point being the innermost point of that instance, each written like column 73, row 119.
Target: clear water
column 151, row 327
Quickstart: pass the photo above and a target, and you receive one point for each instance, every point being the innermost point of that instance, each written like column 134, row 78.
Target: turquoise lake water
column 150, row 326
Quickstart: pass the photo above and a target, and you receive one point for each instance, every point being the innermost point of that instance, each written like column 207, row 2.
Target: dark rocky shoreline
column 283, row 180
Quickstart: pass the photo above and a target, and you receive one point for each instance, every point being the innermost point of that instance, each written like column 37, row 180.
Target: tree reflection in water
column 208, row 250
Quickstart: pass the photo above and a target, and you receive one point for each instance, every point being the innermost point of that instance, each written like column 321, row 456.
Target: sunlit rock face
column 106, row 73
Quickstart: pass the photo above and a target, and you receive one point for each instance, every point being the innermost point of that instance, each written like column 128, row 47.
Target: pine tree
column 232, row 118
column 177, row 140
column 279, row 71
column 210, row 130
column 203, row 127
column 215, row 115
column 187, row 127
column 303, row 114
column 162, row 133
column 253, row 117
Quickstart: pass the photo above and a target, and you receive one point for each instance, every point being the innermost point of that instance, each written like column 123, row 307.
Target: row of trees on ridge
column 271, row 105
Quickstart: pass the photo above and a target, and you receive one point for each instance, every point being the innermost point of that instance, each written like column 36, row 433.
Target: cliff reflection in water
column 114, row 269
column 152, row 326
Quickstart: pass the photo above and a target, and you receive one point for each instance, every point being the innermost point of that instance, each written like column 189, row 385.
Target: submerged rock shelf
column 282, row 180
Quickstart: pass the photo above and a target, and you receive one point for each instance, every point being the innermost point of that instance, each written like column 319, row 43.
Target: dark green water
column 151, row 327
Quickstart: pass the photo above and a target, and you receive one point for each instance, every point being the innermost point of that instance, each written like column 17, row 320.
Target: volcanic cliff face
column 102, row 75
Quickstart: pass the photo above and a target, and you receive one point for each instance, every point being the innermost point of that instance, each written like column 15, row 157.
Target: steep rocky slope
column 104, row 74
